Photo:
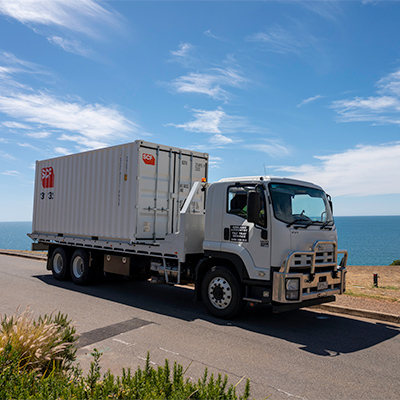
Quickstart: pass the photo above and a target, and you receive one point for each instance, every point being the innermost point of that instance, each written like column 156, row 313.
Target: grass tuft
column 42, row 345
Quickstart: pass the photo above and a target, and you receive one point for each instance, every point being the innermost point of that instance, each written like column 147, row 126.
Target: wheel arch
column 214, row 258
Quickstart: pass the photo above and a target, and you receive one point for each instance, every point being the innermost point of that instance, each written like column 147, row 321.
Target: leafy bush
column 42, row 345
column 36, row 363
column 395, row 262
column 149, row 383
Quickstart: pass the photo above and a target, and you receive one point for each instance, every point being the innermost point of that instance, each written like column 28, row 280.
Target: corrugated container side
column 88, row 195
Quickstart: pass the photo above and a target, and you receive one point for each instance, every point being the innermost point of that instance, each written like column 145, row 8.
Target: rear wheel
column 81, row 273
column 222, row 293
column 59, row 264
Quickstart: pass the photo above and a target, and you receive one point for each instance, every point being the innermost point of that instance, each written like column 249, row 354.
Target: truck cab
column 270, row 240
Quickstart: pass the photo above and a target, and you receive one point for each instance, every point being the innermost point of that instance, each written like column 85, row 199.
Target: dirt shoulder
column 361, row 293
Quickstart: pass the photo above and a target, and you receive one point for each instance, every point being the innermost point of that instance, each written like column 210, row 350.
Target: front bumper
column 317, row 273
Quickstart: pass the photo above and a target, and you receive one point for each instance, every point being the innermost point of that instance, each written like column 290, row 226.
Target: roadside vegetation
column 36, row 362
column 360, row 282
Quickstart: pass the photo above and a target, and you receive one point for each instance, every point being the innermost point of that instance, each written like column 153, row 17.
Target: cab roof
column 270, row 179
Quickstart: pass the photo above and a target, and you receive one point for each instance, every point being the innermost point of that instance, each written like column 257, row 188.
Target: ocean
column 368, row 240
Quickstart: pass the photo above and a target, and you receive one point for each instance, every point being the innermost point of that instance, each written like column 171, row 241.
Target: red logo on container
column 149, row 159
column 47, row 177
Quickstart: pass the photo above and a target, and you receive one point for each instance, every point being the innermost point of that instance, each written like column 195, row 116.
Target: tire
column 59, row 264
column 81, row 273
column 222, row 293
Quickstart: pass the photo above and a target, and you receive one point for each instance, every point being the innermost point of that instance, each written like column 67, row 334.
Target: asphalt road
column 298, row 355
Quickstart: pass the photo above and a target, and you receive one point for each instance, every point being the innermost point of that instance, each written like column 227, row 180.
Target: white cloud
column 184, row 49
column 12, row 66
column 205, row 121
column 84, row 142
column 200, row 83
column 279, row 40
column 390, row 84
column 39, row 135
column 384, row 107
column 76, row 15
column 295, row 40
column 309, row 100
column 27, row 145
column 214, row 162
column 210, row 83
column 71, row 46
column 362, row 171
column 62, row 150
column 325, row 9
column 220, row 140
column 11, row 173
column 6, row 156
column 211, row 35
column 16, row 125
column 216, row 122
column 272, row 148
column 89, row 123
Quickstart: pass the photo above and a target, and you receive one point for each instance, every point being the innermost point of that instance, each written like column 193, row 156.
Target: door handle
column 226, row 233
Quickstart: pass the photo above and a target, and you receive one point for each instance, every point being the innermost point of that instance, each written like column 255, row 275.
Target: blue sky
column 309, row 90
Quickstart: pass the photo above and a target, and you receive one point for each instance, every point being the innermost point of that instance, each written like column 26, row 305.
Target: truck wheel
column 59, row 264
column 80, row 271
column 222, row 293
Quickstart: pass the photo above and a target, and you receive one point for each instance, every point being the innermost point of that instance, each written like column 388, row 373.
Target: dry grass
column 359, row 282
column 38, row 343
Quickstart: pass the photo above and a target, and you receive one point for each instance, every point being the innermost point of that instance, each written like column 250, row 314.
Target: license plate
column 322, row 285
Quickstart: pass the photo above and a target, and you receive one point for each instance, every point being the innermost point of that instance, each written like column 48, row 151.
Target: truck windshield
column 299, row 204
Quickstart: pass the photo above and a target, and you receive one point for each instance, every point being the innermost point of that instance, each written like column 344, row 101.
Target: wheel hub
column 77, row 267
column 220, row 293
column 57, row 263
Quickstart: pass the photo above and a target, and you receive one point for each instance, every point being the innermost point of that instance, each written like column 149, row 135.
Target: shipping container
column 128, row 193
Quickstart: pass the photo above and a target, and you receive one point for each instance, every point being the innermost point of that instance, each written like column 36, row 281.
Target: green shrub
column 42, row 345
column 395, row 262
column 146, row 384
column 36, row 363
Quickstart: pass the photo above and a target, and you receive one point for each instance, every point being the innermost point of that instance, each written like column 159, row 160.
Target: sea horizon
column 369, row 240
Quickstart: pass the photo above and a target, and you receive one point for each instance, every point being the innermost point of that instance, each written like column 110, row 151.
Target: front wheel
column 222, row 293
column 81, row 273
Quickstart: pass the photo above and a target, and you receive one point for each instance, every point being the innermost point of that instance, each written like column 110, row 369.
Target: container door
column 188, row 169
column 154, row 188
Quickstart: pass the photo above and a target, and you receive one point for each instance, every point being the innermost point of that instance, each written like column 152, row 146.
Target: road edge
column 332, row 308
column 358, row 313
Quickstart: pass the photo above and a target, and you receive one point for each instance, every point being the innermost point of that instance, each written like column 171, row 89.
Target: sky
column 307, row 90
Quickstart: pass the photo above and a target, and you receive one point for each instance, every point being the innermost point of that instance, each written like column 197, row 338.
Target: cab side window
column 262, row 216
column 237, row 201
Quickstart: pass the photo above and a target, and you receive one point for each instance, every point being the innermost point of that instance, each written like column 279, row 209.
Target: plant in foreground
column 36, row 358
column 146, row 384
column 42, row 345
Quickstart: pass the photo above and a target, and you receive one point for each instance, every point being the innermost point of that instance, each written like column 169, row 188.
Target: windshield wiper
column 306, row 225
column 326, row 223
column 300, row 224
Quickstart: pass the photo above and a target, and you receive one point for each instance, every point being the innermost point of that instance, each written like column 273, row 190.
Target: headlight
column 293, row 284
column 292, row 289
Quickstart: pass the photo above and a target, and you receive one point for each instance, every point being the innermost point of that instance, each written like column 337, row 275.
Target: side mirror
column 253, row 207
column 330, row 202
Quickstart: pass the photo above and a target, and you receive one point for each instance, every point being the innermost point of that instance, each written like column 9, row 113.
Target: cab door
column 249, row 240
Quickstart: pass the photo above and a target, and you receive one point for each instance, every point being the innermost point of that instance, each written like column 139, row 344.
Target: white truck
column 143, row 209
